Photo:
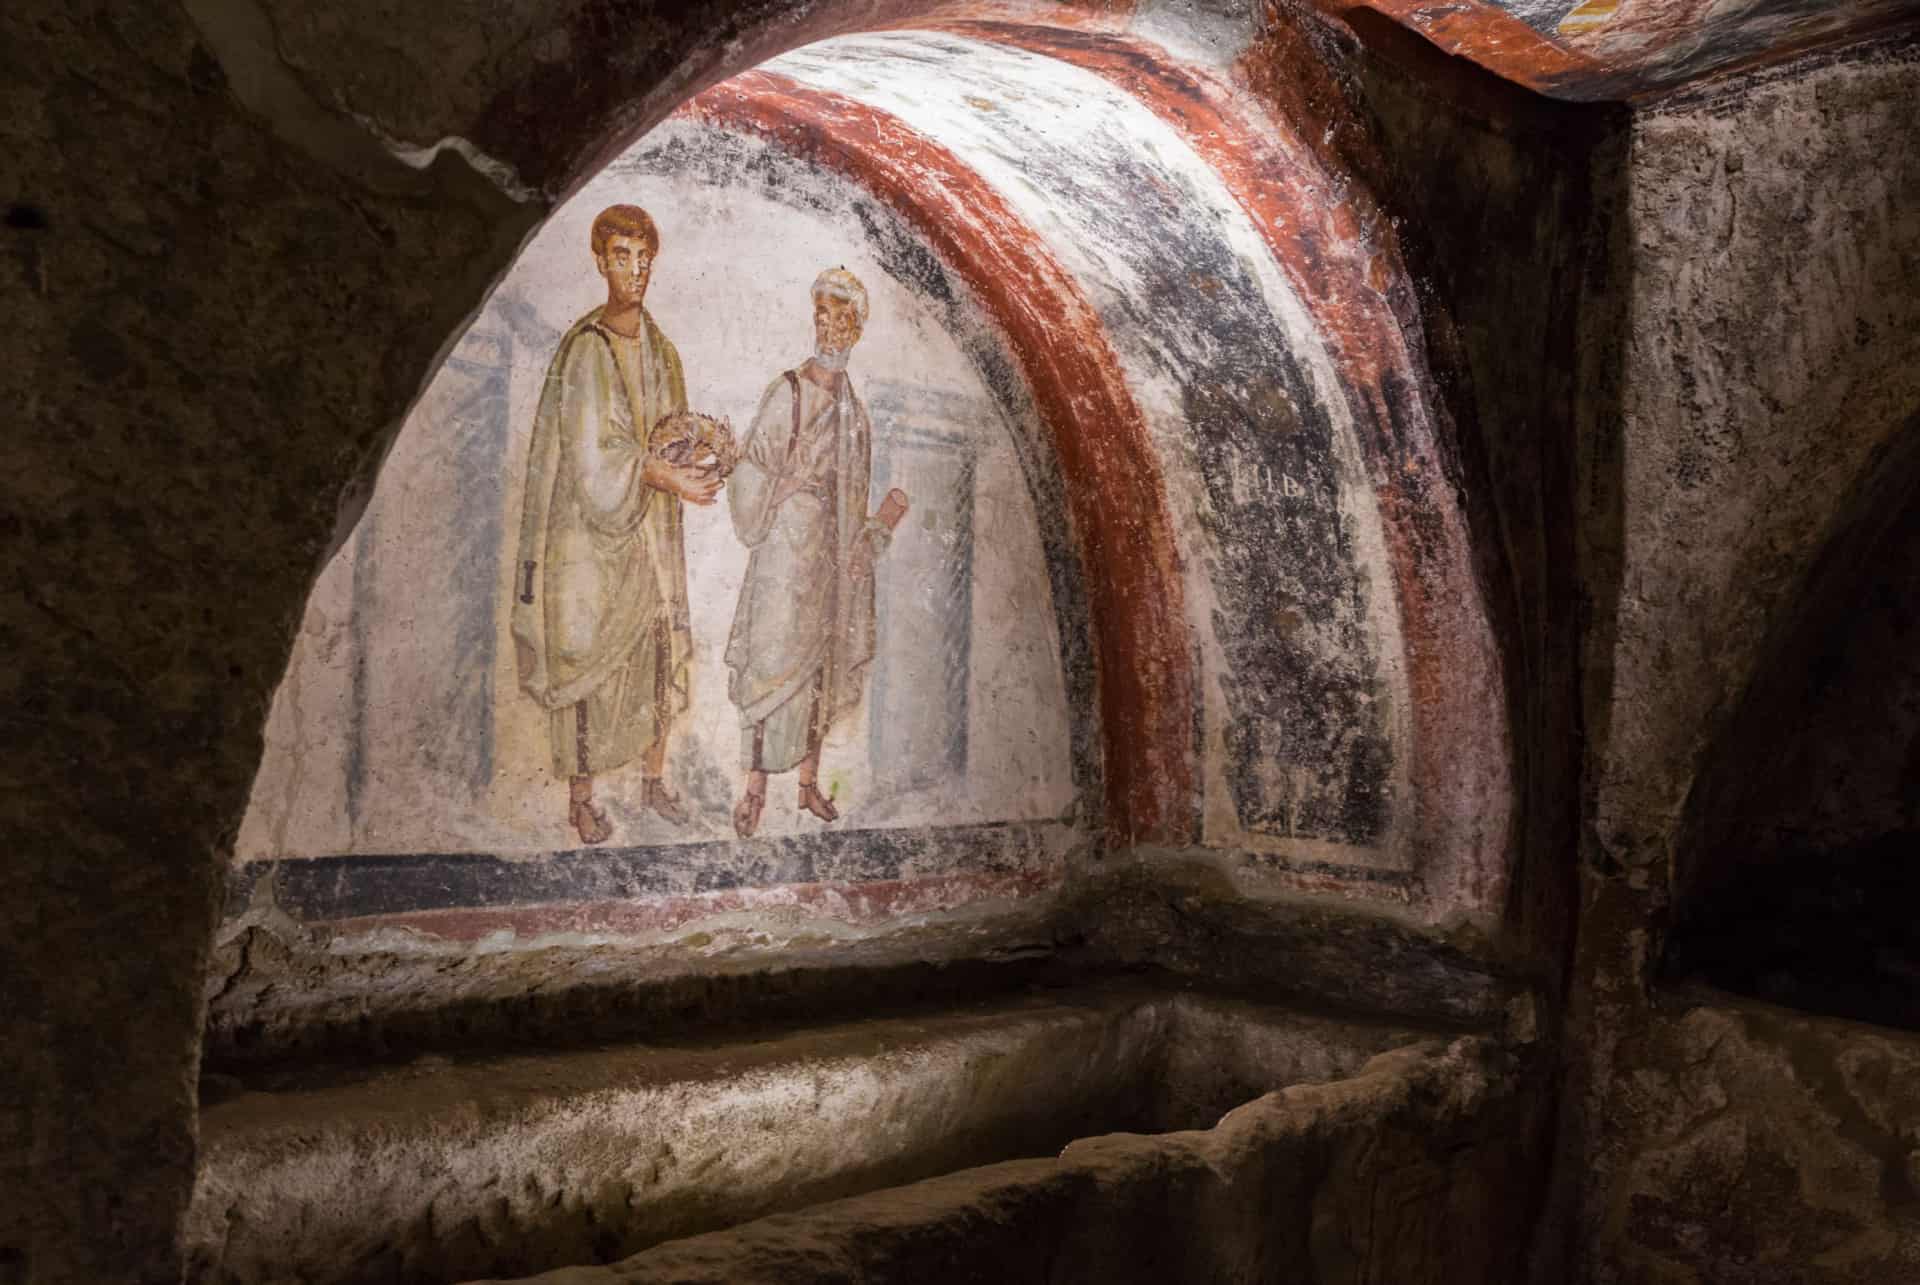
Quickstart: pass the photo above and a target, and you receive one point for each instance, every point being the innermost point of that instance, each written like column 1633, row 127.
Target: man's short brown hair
column 624, row 220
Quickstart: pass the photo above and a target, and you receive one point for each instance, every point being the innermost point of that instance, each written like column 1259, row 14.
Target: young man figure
column 600, row 622
column 803, row 633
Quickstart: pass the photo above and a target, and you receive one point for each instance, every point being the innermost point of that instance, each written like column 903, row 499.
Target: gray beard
column 834, row 361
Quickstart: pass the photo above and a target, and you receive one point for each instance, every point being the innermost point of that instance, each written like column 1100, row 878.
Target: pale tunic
column 604, row 644
column 803, row 632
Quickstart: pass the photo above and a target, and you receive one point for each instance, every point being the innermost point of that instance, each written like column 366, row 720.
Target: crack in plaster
column 241, row 37
column 495, row 171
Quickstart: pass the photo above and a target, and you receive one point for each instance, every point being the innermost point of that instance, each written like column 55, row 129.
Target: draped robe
column 602, row 640
column 803, row 632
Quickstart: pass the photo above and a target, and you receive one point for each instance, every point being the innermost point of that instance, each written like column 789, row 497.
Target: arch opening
column 1796, row 857
column 1122, row 546
column 1188, row 573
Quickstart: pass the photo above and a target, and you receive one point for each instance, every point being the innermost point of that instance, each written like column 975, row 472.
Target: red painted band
column 1343, row 274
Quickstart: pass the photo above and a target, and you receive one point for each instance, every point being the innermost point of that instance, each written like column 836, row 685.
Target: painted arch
column 1268, row 627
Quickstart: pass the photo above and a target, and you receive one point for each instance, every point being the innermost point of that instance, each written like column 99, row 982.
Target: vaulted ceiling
column 1609, row 49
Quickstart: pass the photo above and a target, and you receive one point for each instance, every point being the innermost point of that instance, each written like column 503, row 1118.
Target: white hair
column 838, row 283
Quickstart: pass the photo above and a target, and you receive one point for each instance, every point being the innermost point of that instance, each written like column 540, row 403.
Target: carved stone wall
column 1765, row 264
column 240, row 238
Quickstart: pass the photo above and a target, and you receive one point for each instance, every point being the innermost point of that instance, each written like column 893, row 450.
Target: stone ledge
column 1390, row 1174
column 442, row 1169
column 280, row 995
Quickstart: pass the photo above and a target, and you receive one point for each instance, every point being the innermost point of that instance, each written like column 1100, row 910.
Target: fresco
column 601, row 623
column 1668, row 42
column 838, row 494
column 1304, row 699
column 1609, row 49
column 706, row 531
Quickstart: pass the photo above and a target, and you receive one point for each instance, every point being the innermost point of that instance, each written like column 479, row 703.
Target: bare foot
column 817, row 803
column 663, row 801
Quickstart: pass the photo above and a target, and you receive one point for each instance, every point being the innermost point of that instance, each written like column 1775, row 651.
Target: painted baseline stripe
column 853, row 904
column 404, row 885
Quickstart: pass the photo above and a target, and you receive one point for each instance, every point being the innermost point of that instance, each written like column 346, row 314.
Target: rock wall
column 1796, row 873
column 245, row 235
column 218, row 314
column 515, row 1164
column 1841, row 679
column 1764, row 271
column 1766, row 1147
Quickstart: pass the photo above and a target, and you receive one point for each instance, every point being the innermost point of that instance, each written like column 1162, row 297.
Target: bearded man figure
column 803, row 633
column 600, row 622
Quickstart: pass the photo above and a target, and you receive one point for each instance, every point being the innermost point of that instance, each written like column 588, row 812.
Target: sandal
column 590, row 821
column 746, row 813
column 663, row 801
column 817, row 803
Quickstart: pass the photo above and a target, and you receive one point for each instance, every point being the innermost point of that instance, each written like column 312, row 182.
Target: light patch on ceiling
column 1588, row 17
